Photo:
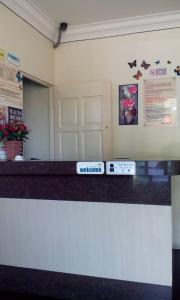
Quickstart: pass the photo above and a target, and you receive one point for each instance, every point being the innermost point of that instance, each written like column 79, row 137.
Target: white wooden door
column 83, row 122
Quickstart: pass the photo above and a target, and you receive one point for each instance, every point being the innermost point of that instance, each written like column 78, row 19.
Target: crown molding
column 122, row 27
column 33, row 15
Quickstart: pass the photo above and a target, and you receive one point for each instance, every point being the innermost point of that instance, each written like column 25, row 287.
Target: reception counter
column 86, row 237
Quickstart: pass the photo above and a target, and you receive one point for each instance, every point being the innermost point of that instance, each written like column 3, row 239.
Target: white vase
column 2, row 154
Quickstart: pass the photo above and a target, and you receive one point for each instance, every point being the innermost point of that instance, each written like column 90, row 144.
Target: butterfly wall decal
column 177, row 70
column 138, row 75
column 132, row 64
column 168, row 62
column 145, row 65
column 157, row 62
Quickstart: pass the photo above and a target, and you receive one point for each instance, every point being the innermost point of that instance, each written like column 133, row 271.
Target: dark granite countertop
column 143, row 168
column 57, row 180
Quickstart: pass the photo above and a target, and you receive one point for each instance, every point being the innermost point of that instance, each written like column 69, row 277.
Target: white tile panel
column 119, row 241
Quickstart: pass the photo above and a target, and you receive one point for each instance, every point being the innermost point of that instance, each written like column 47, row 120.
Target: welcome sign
column 90, row 168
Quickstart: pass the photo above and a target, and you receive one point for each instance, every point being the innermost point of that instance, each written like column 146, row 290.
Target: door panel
column 68, row 112
column 92, row 145
column 92, row 110
column 83, row 121
column 69, row 146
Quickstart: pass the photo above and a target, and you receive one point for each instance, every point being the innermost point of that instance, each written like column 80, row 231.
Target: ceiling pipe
column 62, row 27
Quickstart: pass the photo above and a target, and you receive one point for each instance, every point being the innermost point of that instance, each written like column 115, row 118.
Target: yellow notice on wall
column 2, row 54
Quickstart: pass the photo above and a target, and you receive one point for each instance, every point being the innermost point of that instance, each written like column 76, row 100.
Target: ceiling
column 79, row 12
column 93, row 19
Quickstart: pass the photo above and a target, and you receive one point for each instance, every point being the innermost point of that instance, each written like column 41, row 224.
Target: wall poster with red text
column 160, row 103
column 128, row 104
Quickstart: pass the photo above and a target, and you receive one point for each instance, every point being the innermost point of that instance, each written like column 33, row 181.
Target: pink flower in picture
column 128, row 103
column 133, row 89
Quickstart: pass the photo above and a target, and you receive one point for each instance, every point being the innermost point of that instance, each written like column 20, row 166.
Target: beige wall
column 103, row 59
column 35, row 51
column 107, row 59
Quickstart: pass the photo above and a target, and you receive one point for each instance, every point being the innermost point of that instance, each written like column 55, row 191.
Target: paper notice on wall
column 2, row 54
column 160, row 104
column 10, row 85
column 3, row 114
column 15, row 114
column 13, row 59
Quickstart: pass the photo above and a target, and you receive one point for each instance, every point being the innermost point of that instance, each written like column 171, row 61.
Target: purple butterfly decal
column 145, row 65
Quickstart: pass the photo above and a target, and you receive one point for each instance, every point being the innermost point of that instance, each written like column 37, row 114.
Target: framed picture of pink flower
column 128, row 104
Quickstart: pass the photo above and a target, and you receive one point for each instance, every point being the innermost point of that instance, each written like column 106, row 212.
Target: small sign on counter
column 122, row 167
column 90, row 168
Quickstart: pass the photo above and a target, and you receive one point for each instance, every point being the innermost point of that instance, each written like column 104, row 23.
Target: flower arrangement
column 14, row 131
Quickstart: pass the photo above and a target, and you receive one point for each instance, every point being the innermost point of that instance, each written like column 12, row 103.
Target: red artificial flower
column 5, row 132
column 14, row 131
